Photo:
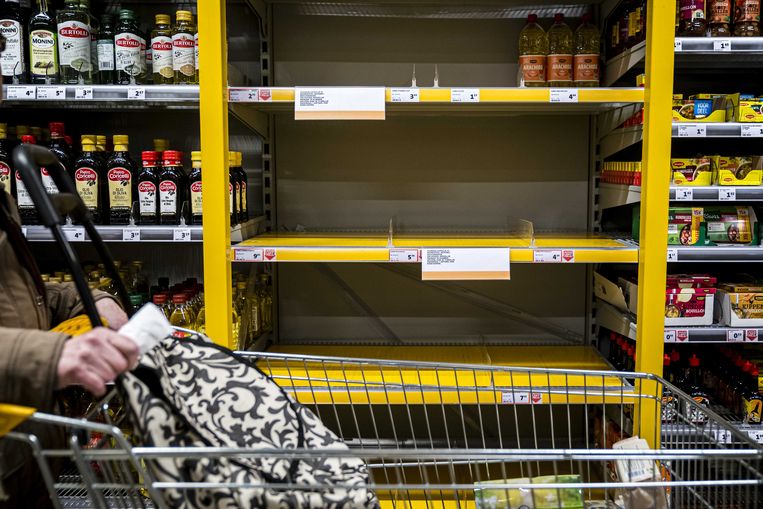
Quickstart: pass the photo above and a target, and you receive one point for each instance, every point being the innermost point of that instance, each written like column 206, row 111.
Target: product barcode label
column 692, row 131
column 405, row 95
column 21, row 92
column 563, row 95
column 684, row 194
column 547, row 256
column 51, row 93
column 722, row 45
column 181, row 234
column 735, row 335
column 136, row 93
column 672, row 254
column 727, row 194
column 404, row 255
column 247, row 255
column 83, row 93
column 678, row 45
column 465, row 95
column 74, row 234
column 752, row 131
column 131, row 235
column 243, row 95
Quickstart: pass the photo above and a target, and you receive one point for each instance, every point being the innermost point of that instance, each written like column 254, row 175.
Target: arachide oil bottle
column 533, row 51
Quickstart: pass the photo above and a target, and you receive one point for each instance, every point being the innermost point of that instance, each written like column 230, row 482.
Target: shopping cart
column 432, row 434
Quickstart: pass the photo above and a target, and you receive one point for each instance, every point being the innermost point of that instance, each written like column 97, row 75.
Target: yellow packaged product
column 751, row 110
column 739, row 171
column 692, row 172
column 706, row 108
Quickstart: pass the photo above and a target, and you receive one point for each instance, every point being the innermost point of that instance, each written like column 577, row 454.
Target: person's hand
column 111, row 311
column 95, row 358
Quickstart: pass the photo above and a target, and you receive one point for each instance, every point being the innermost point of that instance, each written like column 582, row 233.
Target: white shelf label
column 670, row 336
column 727, row 194
column 547, row 256
column 136, row 93
column 722, row 436
column 339, row 103
column 74, row 234
column 243, row 95
column 465, row 263
column 51, row 93
column 21, row 92
column 130, row 234
column 692, row 131
column 465, row 95
column 751, row 131
column 678, row 45
column 405, row 95
column 404, row 256
column 672, row 254
column 563, row 95
column 23, row 231
column 684, row 194
column 522, row 398
column 722, row 45
column 735, row 335
column 181, row 234
column 756, row 435
column 751, row 335
column 248, row 255
column 83, row 93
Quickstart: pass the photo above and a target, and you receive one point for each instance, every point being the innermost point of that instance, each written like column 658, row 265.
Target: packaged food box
column 706, row 108
column 689, row 306
column 731, row 225
column 691, row 281
column 741, row 287
column 739, row 171
column 684, row 226
column 538, row 498
column 740, row 309
column 751, row 109
column 692, row 172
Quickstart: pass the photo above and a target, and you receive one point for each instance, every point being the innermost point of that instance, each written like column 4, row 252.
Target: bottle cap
column 178, row 298
column 107, row 19
column 87, row 139
column 747, row 366
column 196, row 155
column 559, row 17
column 161, row 144
column 136, row 299
column 149, row 157
column 241, row 285
column 532, row 18
column 666, row 360
column 231, row 158
column 675, row 356
column 160, row 298
column 239, row 158
column 694, row 361
column 56, row 129
column 172, row 157
column 184, row 16
column 121, row 139
column 126, row 14
column 162, row 19
column 28, row 138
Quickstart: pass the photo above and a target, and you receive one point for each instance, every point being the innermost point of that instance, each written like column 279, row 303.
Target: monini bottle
column 43, row 53
column 13, row 59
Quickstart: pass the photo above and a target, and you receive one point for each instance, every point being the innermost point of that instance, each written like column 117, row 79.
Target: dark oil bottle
column 6, row 166
column 233, row 188
column 105, row 49
column 148, row 188
column 194, row 188
column 121, row 173
column 90, row 178
column 59, row 146
column 27, row 210
column 243, row 214
column 43, row 50
column 171, row 188
column 13, row 58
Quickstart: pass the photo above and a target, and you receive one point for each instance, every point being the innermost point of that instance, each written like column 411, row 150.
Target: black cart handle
column 52, row 209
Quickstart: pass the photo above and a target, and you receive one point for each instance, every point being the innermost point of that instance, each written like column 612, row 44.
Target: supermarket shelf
column 379, row 248
column 614, row 195
column 716, row 254
column 100, row 96
column 353, row 383
column 719, row 46
column 613, row 319
column 618, row 66
column 720, row 193
column 619, row 139
column 716, row 130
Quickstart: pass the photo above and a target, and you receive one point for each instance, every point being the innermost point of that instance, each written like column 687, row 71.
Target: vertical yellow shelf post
column 653, row 241
column 213, row 106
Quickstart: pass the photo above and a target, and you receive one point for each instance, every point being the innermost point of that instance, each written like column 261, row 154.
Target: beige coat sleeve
column 64, row 301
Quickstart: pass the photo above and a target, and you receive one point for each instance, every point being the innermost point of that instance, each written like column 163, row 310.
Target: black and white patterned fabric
column 190, row 393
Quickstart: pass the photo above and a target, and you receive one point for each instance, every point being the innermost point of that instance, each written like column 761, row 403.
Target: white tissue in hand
column 147, row 327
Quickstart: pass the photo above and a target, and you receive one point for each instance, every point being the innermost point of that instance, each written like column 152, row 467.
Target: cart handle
column 13, row 415
column 28, row 159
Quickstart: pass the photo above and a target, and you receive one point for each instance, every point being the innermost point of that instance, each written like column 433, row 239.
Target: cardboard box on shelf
column 738, row 171
column 692, row 172
column 735, row 308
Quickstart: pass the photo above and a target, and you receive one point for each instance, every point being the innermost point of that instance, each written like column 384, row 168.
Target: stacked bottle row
column 559, row 57
column 718, row 18
column 626, row 27
column 76, row 47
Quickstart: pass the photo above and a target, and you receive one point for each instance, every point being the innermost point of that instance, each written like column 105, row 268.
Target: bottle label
column 747, row 10
column 147, row 198
column 168, row 197
column 12, row 59
column 5, row 176
column 196, row 198
column 183, row 54
column 243, row 196
column 143, row 52
column 753, row 408
column 720, row 11
column 560, row 68
column 533, row 68
column 587, row 68
column 86, row 181
column 196, row 50
column 105, row 55
column 230, row 196
column 634, row 22
column 23, row 198
column 47, row 181
column 42, row 53
column 120, row 187
column 692, row 9
column 161, row 46
column 127, row 53
column 74, row 45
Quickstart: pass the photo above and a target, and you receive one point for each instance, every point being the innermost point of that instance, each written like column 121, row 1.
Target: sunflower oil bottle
column 533, row 48
column 560, row 54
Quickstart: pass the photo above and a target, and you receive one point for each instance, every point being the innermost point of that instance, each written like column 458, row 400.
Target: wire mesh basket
column 453, row 436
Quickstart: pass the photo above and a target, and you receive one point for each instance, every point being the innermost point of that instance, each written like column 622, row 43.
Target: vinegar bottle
column 533, row 48
column 559, row 64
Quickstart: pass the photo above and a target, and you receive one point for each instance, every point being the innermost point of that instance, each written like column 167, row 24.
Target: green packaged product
column 486, row 497
column 684, row 226
column 730, row 225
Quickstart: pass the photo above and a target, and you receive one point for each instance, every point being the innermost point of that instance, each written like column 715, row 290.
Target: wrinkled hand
column 95, row 358
column 111, row 311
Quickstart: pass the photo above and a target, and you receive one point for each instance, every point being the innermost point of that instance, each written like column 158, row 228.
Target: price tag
column 247, row 255
column 51, row 93
column 678, row 45
column 682, row 335
column 522, row 398
column 751, row 335
column 181, row 234
column 747, row 131
column 722, row 45
column 23, row 231
column 684, row 194
column 136, row 93
column 692, row 131
column 461, row 264
column 404, row 255
column 547, row 256
column 735, row 335
column 21, row 92
column 756, row 435
column 722, row 436
column 243, row 95
column 74, row 234
column 563, row 95
column 672, row 254
column 727, row 194
column 131, row 235
column 405, row 95
column 670, row 336
column 465, row 95
column 83, row 93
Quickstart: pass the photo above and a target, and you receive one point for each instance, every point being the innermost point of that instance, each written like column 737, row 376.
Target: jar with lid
column 692, row 19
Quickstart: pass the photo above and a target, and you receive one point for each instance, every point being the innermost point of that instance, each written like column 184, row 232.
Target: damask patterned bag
column 192, row 393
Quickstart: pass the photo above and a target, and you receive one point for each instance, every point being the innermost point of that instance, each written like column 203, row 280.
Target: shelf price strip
column 722, row 45
column 248, row 255
column 83, row 93
column 522, row 398
column 405, row 95
column 672, row 254
column 465, row 95
column 74, row 234
column 131, row 235
column 684, row 194
column 404, row 256
column 692, row 131
column 553, row 256
column 21, row 92
column 678, row 46
column 181, row 234
column 563, row 95
column 464, row 264
column 51, row 93
column 676, row 336
column 136, row 94
column 339, row 103
column 751, row 131
column 727, row 194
